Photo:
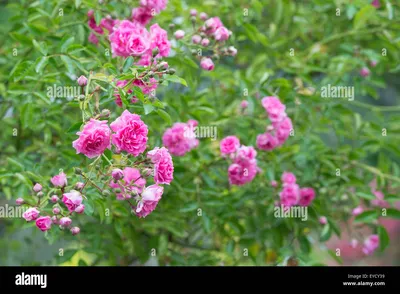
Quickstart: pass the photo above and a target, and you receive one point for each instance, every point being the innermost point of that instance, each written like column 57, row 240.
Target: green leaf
column 326, row 233
column 127, row 64
column 335, row 257
column 165, row 116
column 206, row 223
column 363, row 15
column 74, row 128
column 42, row 47
column 21, row 70
column 383, row 238
column 175, row 79
column 365, row 195
column 40, row 64
column 366, row 216
column 187, row 60
column 189, row 207
column 77, row 3
column 97, row 17
column 393, row 213
column 65, row 42
column 305, row 245
column 89, row 207
column 68, row 63
column 66, row 255
column 148, row 108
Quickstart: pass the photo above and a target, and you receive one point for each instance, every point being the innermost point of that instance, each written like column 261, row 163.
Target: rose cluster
column 278, row 132
column 60, row 214
column 244, row 166
column 106, row 24
column 147, row 9
column 291, row 194
column 211, row 34
column 181, row 138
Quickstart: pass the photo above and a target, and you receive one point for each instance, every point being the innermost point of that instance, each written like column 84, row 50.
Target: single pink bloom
column 31, row 214
column 358, row 210
column 59, row 180
column 72, row 200
column 75, row 230
column 364, row 72
column 288, row 178
column 37, row 187
column 267, row 142
column 205, row 42
column 229, row 145
column 44, row 223
column 207, row 64
column 149, row 200
column 323, row 220
column 65, row 222
column 163, row 165
column 307, row 195
column 179, row 34
column 370, row 244
column 221, row 34
column 274, row 108
column 289, row 195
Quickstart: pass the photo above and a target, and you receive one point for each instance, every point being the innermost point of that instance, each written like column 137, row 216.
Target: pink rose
column 288, row 178
column 244, row 104
column 130, row 133
column 274, row 184
column 80, row 209
column 180, row 139
column 205, row 42
column 72, row 200
column 82, row 81
column 307, row 195
column 274, row 108
column 203, row 16
column 44, row 223
column 370, row 244
column 212, row 24
column 54, row 199
column 207, row 64
column 59, row 180
column 149, row 200
column 193, row 12
column 245, row 154
column 289, row 195
column 196, row 39
column 75, row 231
column 376, row 4
column 108, row 23
column 159, row 39
column 322, row 220
column 142, row 15
column 283, row 129
column 31, row 214
column 129, row 39
column 93, row 139
column 92, row 24
column 229, row 145
column 132, row 183
column 267, row 142
column 240, row 174
column 157, row 5
column 19, row 201
column 221, row 34
column 163, row 165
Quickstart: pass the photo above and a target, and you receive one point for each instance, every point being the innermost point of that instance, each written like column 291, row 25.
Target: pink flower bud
column 56, row 210
column 376, row 4
column 222, row 34
column 373, row 63
column 179, row 34
column 82, row 81
column 54, row 199
column 37, row 187
column 164, row 65
column 65, row 222
column 79, row 185
column 55, row 220
column 244, row 104
column 196, row 39
column 19, row 201
column 364, row 72
column 207, row 64
column 323, row 220
column 358, row 210
column 117, row 174
column 274, row 184
column 205, row 42
column 203, row 16
column 59, row 180
column 90, row 13
column 80, row 209
column 232, row 50
column 75, row 230
column 193, row 12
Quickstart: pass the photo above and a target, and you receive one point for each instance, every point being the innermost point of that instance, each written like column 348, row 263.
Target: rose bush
column 108, row 110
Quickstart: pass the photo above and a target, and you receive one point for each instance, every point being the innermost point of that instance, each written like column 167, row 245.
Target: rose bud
column 82, row 81
column 80, row 209
column 31, row 214
column 117, row 174
column 179, row 34
column 205, row 42
column 44, row 223
column 75, row 230
column 203, row 16
column 37, row 187
column 56, row 210
column 19, row 201
column 79, row 185
column 54, row 198
column 55, row 220
column 196, row 39
column 244, row 104
column 65, row 222
column 193, row 12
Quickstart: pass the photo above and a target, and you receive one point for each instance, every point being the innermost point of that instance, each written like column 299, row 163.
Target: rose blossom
column 72, row 200
column 180, row 138
column 31, row 214
column 93, row 39
column 56, row 210
column 131, row 182
column 240, row 174
column 203, row 16
column 370, row 244
column 322, row 220
column 54, row 198
column 159, row 39
column 283, row 129
column 75, row 231
column 141, row 15
column 82, row 81
column 130, row 133
column 80, row 209
column 245, row 154
column 289, row 195
column 364, row 72
column 108, row 23
column 129, row 39
column 358, row 210
column 157, row 5
column 244, row 104
column 207, row 64
column 229, row 145
column 149, row 200
column 59, row 180
column 196, row 39
column 163, row 165
column 307, row 195
column 274, row 184
column 274, row 108
column 19, row 201
column 288, row 178
column 93, row 139
column 117, row 174
column 221, row 34
column 267, row 142
column 44, row 223
column 212, row 24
